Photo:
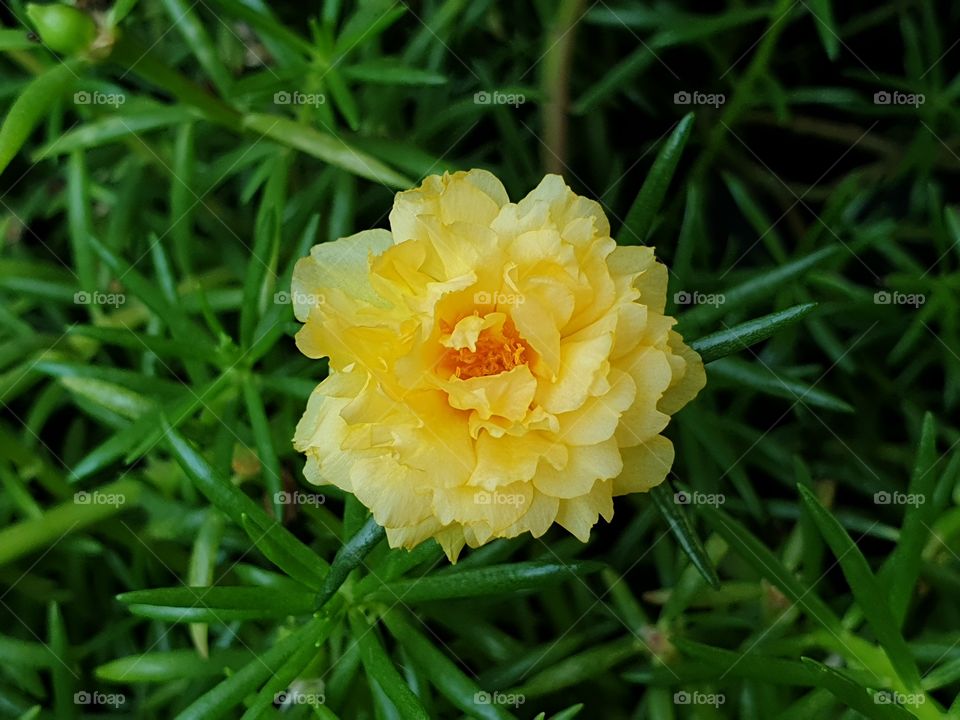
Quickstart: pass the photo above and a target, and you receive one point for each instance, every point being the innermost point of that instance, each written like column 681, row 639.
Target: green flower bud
column 63, row 28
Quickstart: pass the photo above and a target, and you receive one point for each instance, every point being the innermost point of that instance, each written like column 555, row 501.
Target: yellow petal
column 587, row 465
column 644, row 466
column 579, row 515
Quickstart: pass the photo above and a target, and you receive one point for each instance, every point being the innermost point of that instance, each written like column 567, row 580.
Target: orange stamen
column 496, row 351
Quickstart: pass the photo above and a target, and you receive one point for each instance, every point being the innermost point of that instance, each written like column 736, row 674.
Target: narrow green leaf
column 188, row 23
column 109, row 396
column 569, row 714
column 766, row 564
column 170, row 665
column 676, row 516
column 367, row 23
column 215, row 604
column 441, row 671
column 264, row 440
column 308, row 570
column 750, row 665
column 822, row 13
column 760, row 285
column 765, row 228
column 77, row 513
column 26, row 654
column 644, row 209
column 179, row 322
column 739, row 337
column 342, row 97
column 853, row 695
column 332, row 150
column 483, row 582
column 866, row 590
column 900, row 572
column 229, row 499
column 15, row 40
column 79, row 221
column 220, row 701
column 762, row 378
column 389, row 71
column 105, row 130
column 132, row 340
column 577, row 669
column 203, row 560
column 120, row 9
column 32, row 106
column 147, row 430
column 279, row 685
column 380, row 668
column 63, row 703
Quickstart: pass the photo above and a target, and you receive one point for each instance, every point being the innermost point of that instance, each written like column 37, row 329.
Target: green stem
column 555, row 82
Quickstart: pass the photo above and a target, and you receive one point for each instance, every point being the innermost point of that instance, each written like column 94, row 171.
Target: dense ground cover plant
column 165, row 164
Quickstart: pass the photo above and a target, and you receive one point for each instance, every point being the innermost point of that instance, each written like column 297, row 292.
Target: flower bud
column 63, row 28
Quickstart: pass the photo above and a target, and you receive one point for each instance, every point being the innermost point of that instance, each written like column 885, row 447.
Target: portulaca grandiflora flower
column 495, row 367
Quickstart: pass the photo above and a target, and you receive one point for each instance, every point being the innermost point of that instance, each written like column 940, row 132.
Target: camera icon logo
column 882, row 498
column 481, row 697
column 481, row 98
column 81, row 97
column 281, row 97
column 882, row 97
column 881, row 297
column 682, row 97
column 681, row 498
column 681, row 697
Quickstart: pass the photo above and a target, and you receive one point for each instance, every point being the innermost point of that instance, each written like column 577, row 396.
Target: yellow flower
column 495, row 367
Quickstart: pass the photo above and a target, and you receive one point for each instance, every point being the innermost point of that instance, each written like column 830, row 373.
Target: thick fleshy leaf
column 739, row 337
column 644, row 210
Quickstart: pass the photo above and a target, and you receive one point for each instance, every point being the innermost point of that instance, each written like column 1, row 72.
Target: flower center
column 497, row 350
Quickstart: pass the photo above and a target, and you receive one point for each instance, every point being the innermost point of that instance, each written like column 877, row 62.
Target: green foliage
column 163, row 165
